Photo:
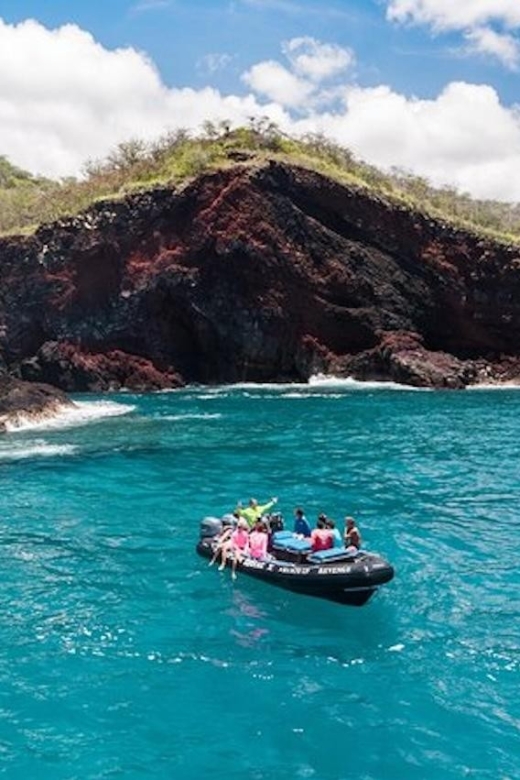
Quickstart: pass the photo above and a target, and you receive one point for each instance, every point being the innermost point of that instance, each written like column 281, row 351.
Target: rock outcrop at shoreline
column 24, row 402
column 257, row 273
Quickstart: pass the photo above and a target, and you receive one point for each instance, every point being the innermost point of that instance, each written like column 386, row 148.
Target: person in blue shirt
column 301, row 525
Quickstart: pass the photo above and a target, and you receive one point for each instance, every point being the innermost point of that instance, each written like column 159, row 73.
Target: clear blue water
column 124, row 655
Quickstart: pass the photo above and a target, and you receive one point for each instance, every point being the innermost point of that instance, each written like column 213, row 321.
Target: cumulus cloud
column 487, row 25
column 464, row 138
column 449, row 15
column 64, row 99
column 483, row 40
column 310, row 64
column 315, row 60
column 271, row 79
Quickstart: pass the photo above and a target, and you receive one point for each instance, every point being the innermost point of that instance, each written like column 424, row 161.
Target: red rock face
column 257, row 273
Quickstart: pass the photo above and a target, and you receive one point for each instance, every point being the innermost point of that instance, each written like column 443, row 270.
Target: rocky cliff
column 257, row 273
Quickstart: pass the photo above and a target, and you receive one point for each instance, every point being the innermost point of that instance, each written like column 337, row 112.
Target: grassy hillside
column 26, row 201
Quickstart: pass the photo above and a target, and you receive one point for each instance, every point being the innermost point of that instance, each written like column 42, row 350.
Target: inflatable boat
column 335, row 574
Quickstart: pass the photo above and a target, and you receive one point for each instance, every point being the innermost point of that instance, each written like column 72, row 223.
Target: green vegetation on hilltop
column 27, row 201
column 20, row 193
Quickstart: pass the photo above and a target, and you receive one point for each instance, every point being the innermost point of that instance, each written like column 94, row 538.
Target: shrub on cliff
column 26, row 201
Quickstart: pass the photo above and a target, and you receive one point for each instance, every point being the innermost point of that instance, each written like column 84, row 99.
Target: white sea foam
column 303, row 394
column 35, row 449
column 80, row 413
column 324, row 380
column 211, row 391
column 193, row 416
column 501, row 386
column 320, row 381
column 316, row 383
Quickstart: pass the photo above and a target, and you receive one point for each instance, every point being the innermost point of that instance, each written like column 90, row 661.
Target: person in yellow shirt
column 254, row 511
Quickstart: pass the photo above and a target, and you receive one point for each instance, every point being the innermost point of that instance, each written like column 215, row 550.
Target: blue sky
column 177, row 35
column 427, row 85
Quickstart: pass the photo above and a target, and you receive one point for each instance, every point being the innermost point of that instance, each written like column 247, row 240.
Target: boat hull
column 351, row 582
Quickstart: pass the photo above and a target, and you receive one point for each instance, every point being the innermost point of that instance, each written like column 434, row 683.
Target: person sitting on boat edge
column 301, row 524
column 352, row 537
column 321, row 536
column 238, row 546
column 337, row 540
column 221, row 542
column 229, row 523
column 254, row 511
column 258, row 540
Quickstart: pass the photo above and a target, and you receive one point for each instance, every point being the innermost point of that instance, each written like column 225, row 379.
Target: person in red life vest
column 336, row 534
column 321, row 536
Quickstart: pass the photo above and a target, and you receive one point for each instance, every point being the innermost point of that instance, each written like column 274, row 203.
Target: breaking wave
column 316, row 384
column 489, row 386
column 80, row 413
column 35, row 449
column 348, row 383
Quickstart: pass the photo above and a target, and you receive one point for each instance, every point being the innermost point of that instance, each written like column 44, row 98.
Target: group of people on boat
column 248, row 534
column 325, row 535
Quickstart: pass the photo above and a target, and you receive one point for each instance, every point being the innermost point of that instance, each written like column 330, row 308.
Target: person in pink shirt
column 238, row 546
column 258, row 539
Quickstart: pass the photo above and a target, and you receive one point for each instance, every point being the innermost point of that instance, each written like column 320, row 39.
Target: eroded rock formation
column 22, row 402
column 257, row 273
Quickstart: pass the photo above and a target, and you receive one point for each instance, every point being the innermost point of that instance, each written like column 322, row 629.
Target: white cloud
column 455, row 15
column 483, row 40
column 464, row 138
column 212, row 63
column 315, row 60
column 299, row 86
column 64, row 98
column 487, row 25
column 271, row 79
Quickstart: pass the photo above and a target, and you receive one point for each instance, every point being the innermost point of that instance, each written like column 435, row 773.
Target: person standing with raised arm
column 254, row 511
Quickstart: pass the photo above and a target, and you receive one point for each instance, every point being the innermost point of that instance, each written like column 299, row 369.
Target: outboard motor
column 228, row 520
column 210, row 527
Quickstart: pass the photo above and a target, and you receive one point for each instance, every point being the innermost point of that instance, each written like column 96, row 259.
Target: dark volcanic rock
column 66, row 366
column 401, row 357
column 257, row 273
column 25, row 400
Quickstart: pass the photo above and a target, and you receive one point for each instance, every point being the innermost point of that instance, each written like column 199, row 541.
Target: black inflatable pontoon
column 332, row 574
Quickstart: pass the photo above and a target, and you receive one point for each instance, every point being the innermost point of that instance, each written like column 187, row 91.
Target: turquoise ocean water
column 124, row 656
